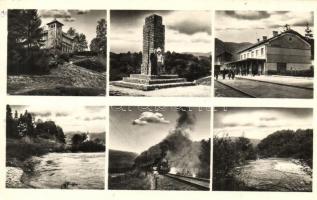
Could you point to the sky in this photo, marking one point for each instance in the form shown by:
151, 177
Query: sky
257, 123
134, 132
84, 21
247, 26
71, 118
185, 31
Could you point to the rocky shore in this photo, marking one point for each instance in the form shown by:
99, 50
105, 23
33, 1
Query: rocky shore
14, 176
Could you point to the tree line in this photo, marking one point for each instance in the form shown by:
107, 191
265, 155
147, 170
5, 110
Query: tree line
24, 125
185, 65
81, 142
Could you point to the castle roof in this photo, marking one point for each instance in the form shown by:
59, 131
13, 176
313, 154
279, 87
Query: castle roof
55, 21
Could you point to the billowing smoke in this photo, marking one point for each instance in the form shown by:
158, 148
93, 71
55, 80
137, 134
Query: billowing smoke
183, 155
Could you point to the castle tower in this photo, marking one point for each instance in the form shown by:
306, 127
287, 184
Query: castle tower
153, 37
54, 34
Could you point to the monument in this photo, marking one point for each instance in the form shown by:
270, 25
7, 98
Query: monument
152, 75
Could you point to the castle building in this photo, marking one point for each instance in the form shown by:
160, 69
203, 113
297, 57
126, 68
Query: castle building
55, 37
283, 52
153, 38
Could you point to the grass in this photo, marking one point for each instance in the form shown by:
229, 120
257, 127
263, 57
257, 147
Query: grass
96, 64
66, 91
130, 181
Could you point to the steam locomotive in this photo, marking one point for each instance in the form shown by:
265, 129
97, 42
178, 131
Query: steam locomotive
163, 167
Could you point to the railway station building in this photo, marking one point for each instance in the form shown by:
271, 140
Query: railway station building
287, 52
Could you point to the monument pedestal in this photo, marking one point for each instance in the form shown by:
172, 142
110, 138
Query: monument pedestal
152, 82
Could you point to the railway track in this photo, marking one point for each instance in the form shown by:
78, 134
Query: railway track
237, 90
260, 89
200, 183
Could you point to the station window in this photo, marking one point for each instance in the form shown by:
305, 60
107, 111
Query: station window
256, 53
262, 51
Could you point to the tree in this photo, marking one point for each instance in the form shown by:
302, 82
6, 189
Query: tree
77, 139
99, 43
71, 31
49, 130
82, 42
24, 42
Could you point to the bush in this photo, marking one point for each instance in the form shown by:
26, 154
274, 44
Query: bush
227, 154
94, 64
65, 57
36, 62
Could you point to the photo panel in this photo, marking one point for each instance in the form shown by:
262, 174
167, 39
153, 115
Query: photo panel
55, 147
160, 53
57, 52
159, 148
263, 149
264, 54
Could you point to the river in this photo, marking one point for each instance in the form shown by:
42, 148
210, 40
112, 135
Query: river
67, 170
275, 174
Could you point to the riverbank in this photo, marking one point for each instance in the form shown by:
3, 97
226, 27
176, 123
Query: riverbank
274, 174
30, 161
19, 157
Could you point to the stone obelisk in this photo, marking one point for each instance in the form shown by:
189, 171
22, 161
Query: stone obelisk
153, 38
150, 77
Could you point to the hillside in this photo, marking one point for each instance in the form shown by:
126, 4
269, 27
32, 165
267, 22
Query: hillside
66, 79
198, 54
121, 161
231, 47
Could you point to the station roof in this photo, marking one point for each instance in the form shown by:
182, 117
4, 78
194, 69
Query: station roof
273, 38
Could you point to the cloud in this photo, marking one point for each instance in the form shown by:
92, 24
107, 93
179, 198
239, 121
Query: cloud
275, 26
303, 23
41, 114
69, 19
201, 40
55, 13
280, 12
236, 124
82, 12
248, 15
87, 119
268, 118
190, 27
61, 114
150, 117
98, 118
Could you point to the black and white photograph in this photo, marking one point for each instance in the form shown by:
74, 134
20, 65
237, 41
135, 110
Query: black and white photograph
264, 54
57, 52
263, 149
160, 53
159, 148
55, 147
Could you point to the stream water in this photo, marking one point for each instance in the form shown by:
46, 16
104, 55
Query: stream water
68, 170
